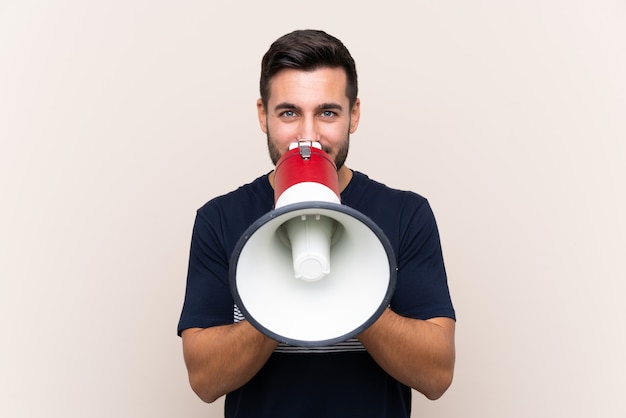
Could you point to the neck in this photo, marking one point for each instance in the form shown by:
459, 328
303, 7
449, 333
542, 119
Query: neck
345, 175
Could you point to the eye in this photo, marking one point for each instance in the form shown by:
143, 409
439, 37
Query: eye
288, 114
328, 114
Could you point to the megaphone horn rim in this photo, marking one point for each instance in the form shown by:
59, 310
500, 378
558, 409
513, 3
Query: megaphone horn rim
312, 205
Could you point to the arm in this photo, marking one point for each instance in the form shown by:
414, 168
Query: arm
222, 359
417, 353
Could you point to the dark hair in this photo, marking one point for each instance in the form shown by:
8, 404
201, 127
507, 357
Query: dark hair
308, 50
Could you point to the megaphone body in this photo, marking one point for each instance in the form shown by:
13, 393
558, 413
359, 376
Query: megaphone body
311, 272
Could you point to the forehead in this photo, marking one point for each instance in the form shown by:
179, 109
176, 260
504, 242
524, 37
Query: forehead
323, 83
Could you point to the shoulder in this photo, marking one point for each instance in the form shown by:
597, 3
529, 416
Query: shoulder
403, 215
227, 216
258, 191
366, 192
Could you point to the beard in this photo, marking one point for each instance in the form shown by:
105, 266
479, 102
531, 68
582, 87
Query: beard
339, 159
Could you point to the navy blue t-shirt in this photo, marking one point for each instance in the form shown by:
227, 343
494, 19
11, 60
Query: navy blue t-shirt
336, 381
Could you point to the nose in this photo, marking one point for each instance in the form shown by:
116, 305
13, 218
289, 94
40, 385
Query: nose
308, 129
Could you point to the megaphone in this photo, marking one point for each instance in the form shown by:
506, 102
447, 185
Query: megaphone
311, 272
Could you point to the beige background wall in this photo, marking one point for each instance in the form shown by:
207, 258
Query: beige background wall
119, 119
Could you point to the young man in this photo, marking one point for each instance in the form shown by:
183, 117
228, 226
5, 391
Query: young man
309, 91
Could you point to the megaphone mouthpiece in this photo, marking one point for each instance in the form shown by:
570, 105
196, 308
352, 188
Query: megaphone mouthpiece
314, 168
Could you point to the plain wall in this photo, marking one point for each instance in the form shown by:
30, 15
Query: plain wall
119, 119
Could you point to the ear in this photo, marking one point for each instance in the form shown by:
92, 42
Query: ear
355, 115
262, 113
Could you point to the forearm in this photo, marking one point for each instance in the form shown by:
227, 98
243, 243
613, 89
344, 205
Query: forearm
222, 359
418, 353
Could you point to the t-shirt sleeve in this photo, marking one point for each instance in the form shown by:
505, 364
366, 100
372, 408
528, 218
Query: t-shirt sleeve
208, 301
422, 287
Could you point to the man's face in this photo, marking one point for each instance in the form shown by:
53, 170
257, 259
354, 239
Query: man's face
309, 105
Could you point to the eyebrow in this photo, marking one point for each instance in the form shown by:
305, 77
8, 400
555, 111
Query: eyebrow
323, 106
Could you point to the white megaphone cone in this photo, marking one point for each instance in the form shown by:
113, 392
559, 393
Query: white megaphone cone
312, 271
